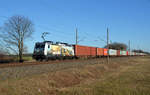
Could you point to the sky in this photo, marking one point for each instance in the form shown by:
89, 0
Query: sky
125, 19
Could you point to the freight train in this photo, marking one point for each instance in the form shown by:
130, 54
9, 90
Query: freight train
50, 50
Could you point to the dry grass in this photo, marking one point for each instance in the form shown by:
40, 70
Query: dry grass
121, 77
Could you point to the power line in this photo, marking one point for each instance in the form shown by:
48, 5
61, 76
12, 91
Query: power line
64, 34
60, 34
52, 29
77, 38
91, 35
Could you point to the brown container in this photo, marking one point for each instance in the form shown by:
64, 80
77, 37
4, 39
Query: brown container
82, 51
93, 51
118, 52
100, 51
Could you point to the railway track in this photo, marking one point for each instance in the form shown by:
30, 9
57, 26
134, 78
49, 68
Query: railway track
17, 64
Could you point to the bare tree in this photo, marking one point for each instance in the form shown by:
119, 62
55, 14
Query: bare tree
15, 32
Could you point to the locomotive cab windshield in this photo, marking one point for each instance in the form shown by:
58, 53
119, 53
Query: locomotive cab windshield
39, 50
39, 46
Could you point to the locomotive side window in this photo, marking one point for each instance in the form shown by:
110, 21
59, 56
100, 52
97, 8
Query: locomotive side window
48, 46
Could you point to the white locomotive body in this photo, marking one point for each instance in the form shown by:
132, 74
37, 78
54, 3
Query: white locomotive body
49, 50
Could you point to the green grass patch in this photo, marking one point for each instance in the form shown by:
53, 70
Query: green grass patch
27, 58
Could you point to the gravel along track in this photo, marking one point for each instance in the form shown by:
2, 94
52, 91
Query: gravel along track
28, 70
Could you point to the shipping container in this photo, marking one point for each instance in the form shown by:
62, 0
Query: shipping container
93, 51
133, 53
118, 52
112, 52
82, 51
100, 51
137, 53
105, 52
127, 53
123, 53
130, 53
141, 54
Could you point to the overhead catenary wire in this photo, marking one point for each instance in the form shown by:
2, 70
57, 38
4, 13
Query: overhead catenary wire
57, 33
53, 29
78, 39
59, 37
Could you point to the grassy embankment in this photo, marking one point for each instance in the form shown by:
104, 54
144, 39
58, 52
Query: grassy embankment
121, 77
14, 58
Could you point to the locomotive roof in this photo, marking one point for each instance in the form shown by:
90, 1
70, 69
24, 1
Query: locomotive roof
57, 43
